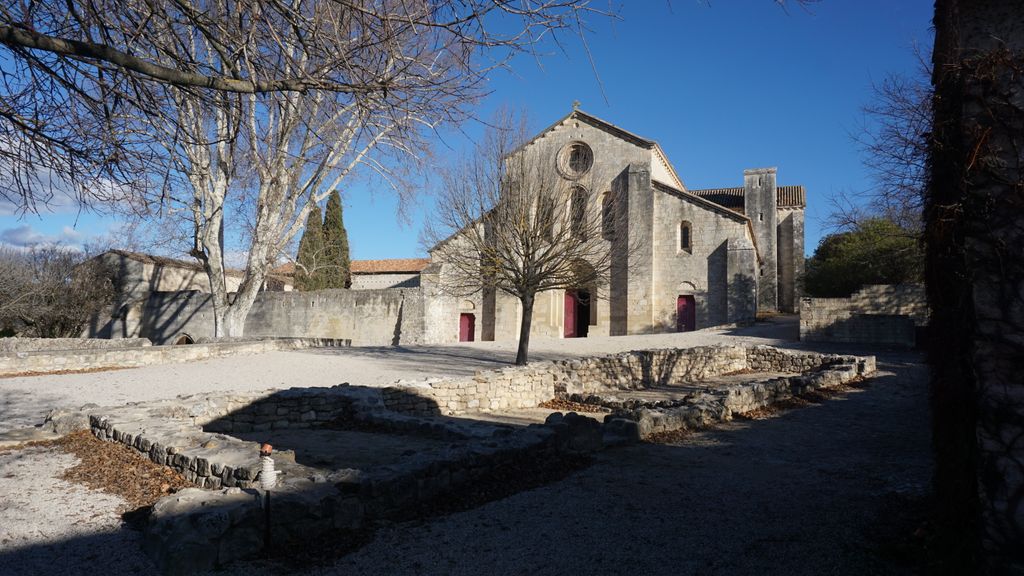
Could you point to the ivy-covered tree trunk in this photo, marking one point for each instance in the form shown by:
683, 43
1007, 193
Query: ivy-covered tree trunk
337, 270
974, 217
310, 259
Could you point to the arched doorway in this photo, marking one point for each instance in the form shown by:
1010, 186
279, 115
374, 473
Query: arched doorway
467, 327
686, 314
577, 313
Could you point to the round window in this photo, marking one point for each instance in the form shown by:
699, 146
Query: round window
575, 160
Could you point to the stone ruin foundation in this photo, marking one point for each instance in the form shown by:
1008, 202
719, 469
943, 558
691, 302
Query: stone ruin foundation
348, 456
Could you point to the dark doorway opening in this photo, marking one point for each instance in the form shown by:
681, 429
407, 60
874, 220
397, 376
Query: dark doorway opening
577, 313
686, 317
467, 327
184, 339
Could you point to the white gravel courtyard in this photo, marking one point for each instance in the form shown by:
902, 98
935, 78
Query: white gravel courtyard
807, 492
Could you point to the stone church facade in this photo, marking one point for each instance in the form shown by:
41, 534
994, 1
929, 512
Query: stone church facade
697, 258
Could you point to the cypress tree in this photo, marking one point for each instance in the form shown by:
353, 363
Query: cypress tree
337, 273
310, 259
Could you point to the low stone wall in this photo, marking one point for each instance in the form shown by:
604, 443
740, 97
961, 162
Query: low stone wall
136, 355
528, 386
706, 408
199, 529
15, 345
881, 314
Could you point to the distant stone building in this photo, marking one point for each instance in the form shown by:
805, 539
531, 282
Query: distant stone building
395, 273
705, 258
136, 277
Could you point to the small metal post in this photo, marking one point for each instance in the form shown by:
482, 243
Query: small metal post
267, 483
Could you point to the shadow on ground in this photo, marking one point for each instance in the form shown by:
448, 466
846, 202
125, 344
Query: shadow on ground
826, 489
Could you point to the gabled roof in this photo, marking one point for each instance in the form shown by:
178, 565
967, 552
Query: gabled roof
595, 122
614, 130
723, 210
732, 198
167, 262
732, 214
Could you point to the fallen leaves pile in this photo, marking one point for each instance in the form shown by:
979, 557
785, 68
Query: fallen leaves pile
569, 406
116, 469
670, 437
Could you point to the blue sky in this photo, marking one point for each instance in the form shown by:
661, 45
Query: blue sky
722, 86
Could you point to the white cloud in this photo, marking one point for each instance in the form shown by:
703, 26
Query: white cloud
26, 236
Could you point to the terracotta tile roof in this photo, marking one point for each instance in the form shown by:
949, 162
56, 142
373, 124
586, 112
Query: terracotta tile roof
785, 197
392, 266
286, 269
728, 197
792, 197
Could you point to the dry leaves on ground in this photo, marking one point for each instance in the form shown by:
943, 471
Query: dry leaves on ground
569, 406
116, 469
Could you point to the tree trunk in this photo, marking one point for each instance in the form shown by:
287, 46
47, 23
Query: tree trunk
522, 354
974, 218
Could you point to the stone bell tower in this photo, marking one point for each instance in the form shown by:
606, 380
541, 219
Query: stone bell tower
759, 204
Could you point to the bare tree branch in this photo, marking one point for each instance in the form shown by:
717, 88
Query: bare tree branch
507, 220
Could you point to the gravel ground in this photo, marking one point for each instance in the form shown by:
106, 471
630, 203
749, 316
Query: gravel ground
25, 401
817, 490
50, 526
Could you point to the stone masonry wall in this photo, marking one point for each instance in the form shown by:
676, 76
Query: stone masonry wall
701, 271
528, 386
366, 317
136, 354
15, 345
879, 314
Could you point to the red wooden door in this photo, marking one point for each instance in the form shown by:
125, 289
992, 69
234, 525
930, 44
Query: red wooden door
467, 327
686, 314
570, 315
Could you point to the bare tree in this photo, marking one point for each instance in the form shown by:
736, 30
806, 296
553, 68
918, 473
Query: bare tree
83, 71
507, 221
243, 110
51, 292
895, 145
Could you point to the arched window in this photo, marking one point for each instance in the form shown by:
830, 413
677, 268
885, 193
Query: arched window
578, 213
685, 233
544, 217
608, 216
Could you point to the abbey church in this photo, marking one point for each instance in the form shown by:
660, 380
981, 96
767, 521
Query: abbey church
698, 258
